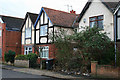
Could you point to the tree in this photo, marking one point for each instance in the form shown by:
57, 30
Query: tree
91, 44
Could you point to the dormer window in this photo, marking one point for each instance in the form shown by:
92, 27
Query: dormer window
28, 33
43, 30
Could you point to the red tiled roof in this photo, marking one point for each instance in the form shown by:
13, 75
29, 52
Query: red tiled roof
60, 18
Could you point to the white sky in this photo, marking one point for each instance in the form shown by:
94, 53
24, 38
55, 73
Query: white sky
18, 8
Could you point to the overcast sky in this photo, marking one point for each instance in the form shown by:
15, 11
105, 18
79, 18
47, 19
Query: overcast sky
18, 8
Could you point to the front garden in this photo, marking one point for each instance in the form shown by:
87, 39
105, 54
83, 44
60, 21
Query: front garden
75, 52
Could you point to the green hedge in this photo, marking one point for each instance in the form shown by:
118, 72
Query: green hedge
10, 56
21, 57
32, 59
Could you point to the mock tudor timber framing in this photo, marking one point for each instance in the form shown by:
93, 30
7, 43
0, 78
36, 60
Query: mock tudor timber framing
38, 29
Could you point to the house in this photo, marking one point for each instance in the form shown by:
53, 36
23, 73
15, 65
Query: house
103, 14
45, 24
27, 34
48, 22
10, 35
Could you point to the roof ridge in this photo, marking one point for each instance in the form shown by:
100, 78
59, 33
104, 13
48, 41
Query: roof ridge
32, 13
12, 17
59, 10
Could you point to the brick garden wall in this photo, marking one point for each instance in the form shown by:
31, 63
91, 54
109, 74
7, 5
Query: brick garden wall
104, 70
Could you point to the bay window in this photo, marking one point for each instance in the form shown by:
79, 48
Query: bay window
44, 52
118, 25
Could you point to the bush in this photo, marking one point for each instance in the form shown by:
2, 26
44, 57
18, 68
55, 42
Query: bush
10, 56
21, 57
32, 59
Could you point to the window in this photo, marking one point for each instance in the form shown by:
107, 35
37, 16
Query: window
44, 51
28, 49
0, 32
28, 33
43, 30
96, 21
118, 24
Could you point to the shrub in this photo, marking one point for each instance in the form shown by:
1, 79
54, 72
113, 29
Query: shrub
21, 57
6, 56
32, 59
10, 56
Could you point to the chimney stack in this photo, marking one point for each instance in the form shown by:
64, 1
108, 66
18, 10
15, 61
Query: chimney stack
73, 12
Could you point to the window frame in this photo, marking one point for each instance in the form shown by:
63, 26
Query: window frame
45, 30
118, 17
96, 21
28, 32
28, 50
44, 49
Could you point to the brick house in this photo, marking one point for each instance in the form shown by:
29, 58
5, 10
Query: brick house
10, 35
103, 14
47, 22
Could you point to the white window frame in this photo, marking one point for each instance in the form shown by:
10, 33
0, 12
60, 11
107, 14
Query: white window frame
0, 33
96, 20
118, 28
28, 32
43, 30
27, 49
118, 25
44, 52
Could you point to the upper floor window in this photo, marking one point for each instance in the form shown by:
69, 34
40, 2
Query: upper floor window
43, 30
118, 25
28, 33
0, 33
96, 21
118, 13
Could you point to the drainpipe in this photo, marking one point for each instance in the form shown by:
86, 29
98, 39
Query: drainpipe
115, 37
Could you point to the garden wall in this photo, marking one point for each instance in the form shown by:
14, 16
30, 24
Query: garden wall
104, 70
22, 63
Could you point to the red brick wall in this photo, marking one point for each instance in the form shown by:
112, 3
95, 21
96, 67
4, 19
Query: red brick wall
104, 70
1, 35
11, 41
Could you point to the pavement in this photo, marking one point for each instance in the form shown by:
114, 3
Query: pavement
46, 73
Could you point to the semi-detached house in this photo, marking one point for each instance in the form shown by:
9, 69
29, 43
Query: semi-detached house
47, 23
104, 14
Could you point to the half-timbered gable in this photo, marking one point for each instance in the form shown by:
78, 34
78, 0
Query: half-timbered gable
48, 22
28, 32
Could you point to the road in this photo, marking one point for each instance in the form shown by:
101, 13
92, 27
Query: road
13, 75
